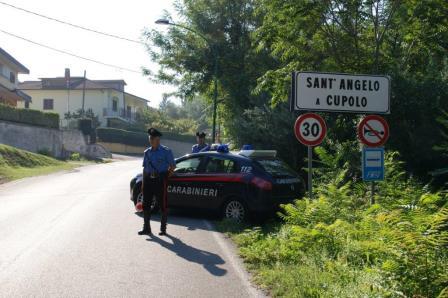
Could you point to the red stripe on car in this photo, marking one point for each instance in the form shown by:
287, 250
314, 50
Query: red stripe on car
223, 178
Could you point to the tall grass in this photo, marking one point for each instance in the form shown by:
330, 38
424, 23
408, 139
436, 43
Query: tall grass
339, 245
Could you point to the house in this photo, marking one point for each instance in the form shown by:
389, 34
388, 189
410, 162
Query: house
106, 98
9, 70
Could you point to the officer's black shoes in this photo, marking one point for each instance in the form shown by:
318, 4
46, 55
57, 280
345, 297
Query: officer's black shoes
162, 233
145, 232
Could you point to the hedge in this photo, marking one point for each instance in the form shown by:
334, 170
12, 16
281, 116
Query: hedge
114, 135
121, 124
27, 116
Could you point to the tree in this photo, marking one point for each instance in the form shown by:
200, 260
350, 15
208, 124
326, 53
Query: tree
187, 61
403, 39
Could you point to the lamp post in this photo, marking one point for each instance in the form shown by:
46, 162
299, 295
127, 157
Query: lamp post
215, 67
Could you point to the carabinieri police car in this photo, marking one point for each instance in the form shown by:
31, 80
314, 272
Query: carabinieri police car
237, 184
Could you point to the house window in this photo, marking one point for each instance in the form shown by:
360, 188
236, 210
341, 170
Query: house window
27, 104
128, 111
48, 104
114, 105
12, 77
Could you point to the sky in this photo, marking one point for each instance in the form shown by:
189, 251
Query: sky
123, 18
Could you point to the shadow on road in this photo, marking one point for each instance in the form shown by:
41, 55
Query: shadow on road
191, 219
208, 260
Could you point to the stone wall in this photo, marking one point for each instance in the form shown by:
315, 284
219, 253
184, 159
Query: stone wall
59, 143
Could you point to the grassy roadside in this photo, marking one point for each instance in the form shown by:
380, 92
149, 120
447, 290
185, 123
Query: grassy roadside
340, 245
16, 164
280, 271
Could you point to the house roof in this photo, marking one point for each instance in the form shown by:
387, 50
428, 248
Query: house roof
20, 66
15, 94
76, 83
136, 97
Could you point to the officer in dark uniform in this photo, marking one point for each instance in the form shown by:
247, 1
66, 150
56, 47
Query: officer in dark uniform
158, 165
201, 146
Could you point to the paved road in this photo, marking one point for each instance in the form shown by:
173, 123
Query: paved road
75, 235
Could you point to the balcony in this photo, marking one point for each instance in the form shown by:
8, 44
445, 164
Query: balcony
122, 114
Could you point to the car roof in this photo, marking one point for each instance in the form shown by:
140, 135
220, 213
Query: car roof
229, 155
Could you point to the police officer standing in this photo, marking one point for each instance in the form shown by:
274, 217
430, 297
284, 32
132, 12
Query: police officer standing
201, 146
158, 165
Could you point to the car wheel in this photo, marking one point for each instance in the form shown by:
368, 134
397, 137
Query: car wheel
137, 194
235, 210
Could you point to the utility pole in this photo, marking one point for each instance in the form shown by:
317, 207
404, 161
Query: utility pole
215, 93
83, 94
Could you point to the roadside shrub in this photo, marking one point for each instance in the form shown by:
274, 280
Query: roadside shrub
27, 116
339, 245
75, 156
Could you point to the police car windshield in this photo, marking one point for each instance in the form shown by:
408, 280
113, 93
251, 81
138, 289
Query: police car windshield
275, 167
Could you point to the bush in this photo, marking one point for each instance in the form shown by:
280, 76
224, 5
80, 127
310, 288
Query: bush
75, 157
26, 116
113, 135
339, 245
121, 124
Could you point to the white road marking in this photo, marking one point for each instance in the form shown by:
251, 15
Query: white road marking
234, 262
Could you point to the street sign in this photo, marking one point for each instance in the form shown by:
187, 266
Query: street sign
334, 92
373, 131
373, 164
310, 129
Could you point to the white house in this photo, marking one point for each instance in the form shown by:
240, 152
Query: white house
106, 98
9, 70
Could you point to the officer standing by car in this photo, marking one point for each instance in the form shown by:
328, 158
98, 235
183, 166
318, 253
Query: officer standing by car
158, 165
201, 145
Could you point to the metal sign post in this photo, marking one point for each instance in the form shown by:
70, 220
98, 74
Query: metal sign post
310, 171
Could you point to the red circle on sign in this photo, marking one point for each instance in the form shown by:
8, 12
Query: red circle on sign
300, 135
380, 133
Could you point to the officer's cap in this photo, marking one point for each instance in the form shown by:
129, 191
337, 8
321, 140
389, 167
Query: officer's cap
201, 134
152, 132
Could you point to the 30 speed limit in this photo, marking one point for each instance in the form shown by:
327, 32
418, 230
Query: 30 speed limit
310, 129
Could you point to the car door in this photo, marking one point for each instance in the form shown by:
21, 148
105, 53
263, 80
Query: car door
219, 178
181, 183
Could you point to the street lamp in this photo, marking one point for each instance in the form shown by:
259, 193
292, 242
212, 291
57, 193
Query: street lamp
215, 66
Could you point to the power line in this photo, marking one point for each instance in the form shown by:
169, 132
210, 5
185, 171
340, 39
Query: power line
70, 54
71, 24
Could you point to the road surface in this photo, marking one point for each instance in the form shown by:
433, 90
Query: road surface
74, 234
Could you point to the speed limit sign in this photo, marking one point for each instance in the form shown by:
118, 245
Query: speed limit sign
310, 129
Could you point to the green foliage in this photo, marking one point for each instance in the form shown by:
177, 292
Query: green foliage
188, 62
133, 138
403, 39
260, 42
16, 163
27, 116
13, 157
339, 245
75, 157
